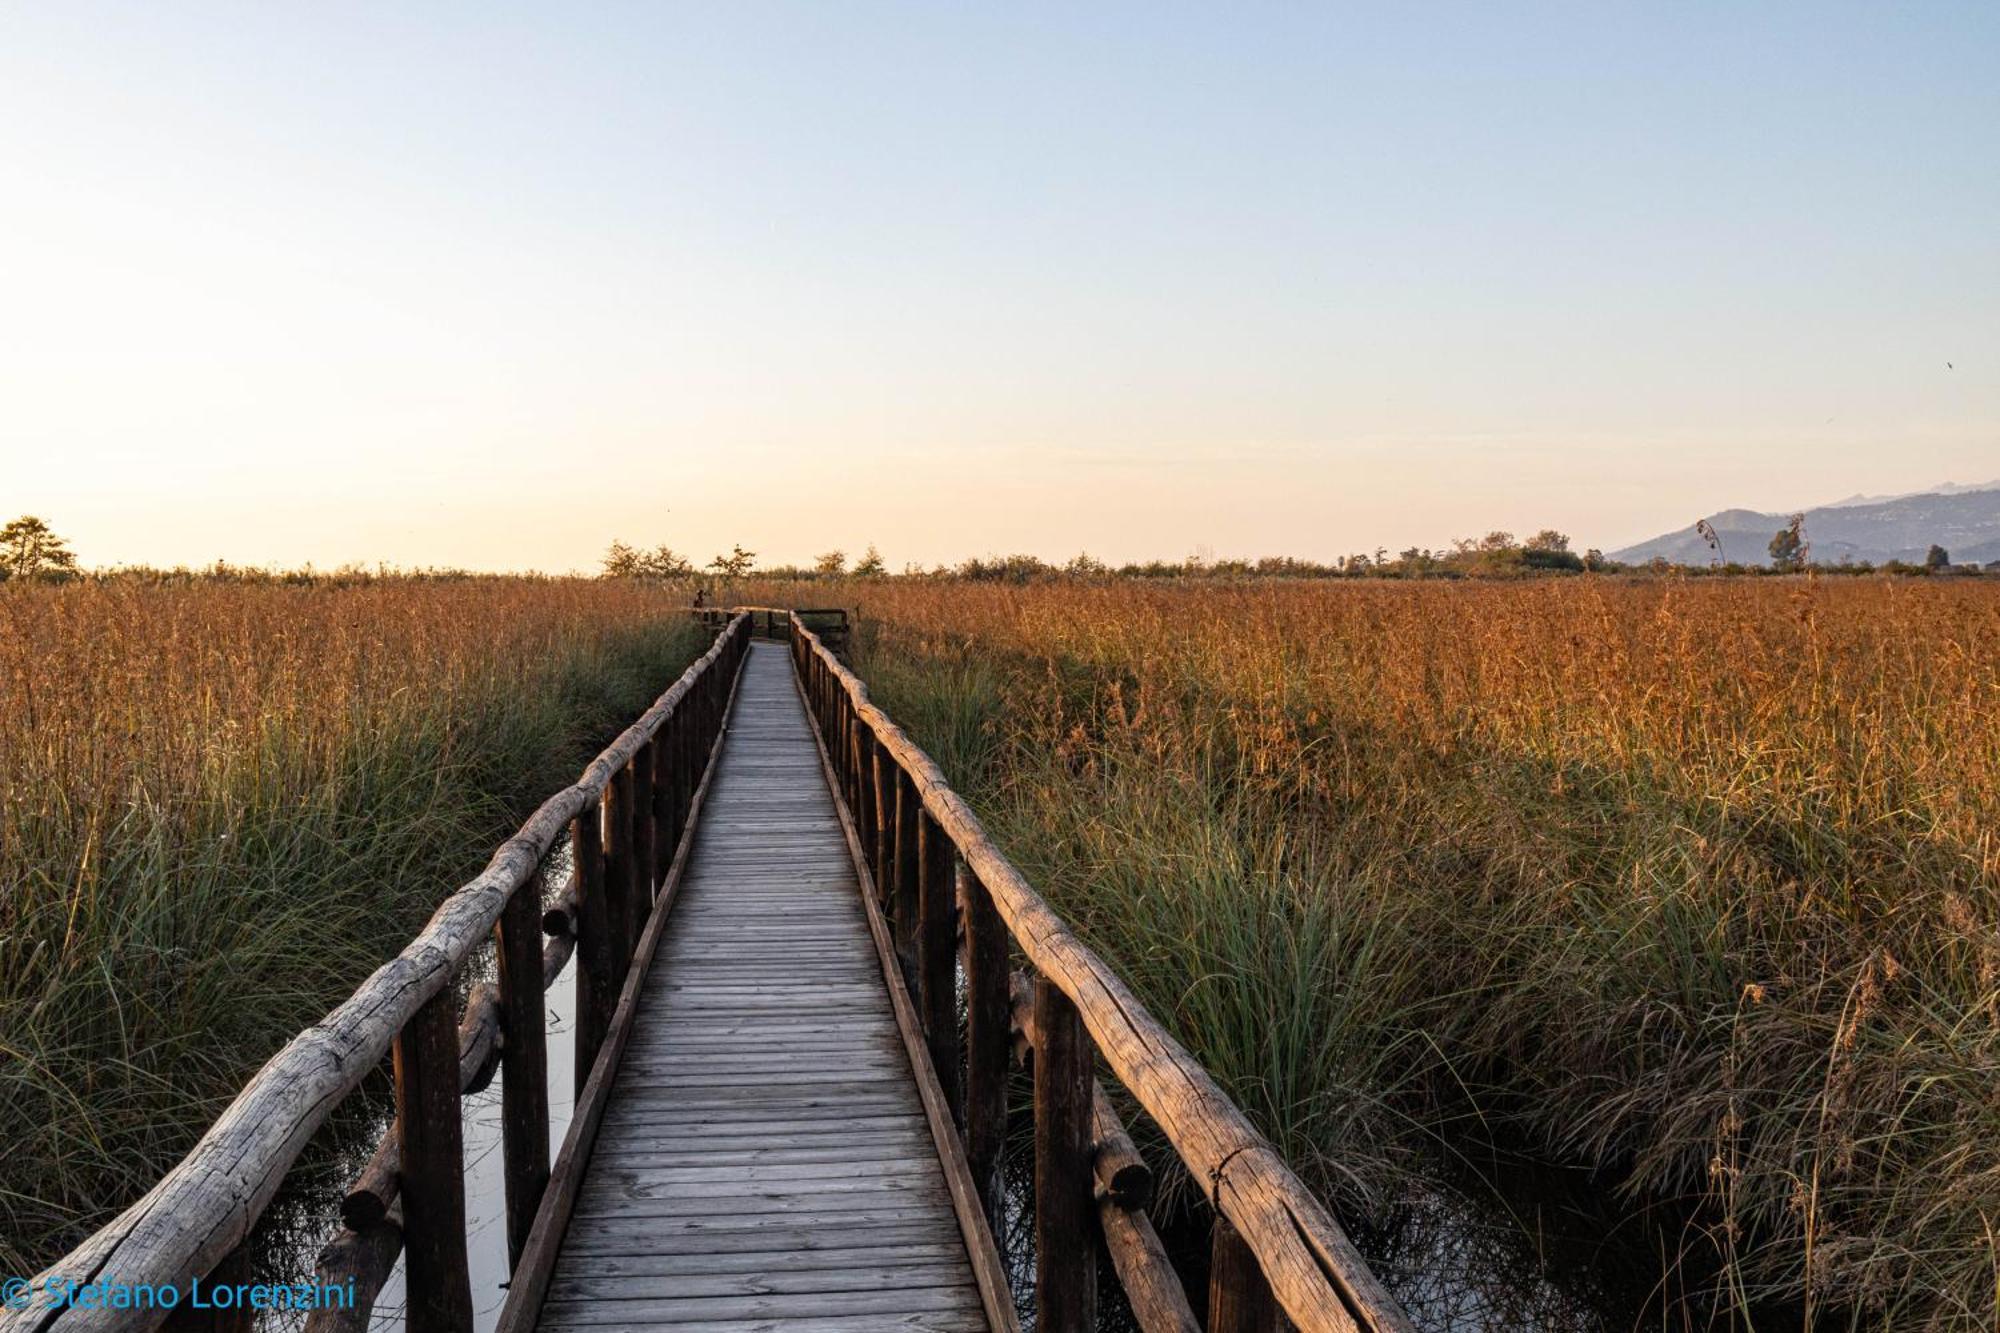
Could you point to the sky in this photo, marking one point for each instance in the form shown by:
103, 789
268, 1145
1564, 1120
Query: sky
489, 285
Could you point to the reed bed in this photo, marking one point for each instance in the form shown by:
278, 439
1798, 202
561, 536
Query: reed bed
1696, 883
223, 803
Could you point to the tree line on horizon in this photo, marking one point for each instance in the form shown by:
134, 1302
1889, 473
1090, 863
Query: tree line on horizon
1498, 554
31, 550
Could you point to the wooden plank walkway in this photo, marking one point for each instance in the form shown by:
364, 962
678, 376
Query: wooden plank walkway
765, 1161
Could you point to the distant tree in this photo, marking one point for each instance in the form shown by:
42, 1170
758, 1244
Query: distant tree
736, 564
28, 549
620, 561
1496, 541
870, 565
664, 562
1937, 557
1548, 539
833, 564
1594, 561
1541, 557
1788, 546
1085, 565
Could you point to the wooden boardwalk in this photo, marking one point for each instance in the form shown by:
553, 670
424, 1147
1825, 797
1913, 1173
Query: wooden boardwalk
765, 1161
771, 1130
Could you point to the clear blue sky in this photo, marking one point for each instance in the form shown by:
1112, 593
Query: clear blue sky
488, 285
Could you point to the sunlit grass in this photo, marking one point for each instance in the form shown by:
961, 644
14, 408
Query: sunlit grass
1692, 882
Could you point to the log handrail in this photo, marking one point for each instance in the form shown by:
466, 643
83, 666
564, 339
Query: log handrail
1311, 1267
197, 1214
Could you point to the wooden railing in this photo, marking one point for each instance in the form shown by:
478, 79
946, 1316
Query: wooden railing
1273, 1244
624, 818
831, 623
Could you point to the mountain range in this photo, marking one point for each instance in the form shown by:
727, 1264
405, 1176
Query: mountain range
1965, 520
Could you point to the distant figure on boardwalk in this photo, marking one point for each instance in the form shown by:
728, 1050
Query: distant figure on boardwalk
700, 598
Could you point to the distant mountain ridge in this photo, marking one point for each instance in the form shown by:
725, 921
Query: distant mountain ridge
1965, 520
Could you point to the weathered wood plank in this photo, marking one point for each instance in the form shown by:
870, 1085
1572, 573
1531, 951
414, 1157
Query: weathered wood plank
666, 1310
879, 1259
778, 1236
939, 1274
921, 1321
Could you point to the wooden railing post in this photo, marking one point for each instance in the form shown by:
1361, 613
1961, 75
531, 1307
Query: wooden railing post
1065, 1214
836, 724
902, 910
1239, 1299
186, 1318
882, 775
851, 766
685, 776
433, 1170
621, 882
937, 957
864, 788
988, 1041
662, 785
596, 968
524, 1062
645, 839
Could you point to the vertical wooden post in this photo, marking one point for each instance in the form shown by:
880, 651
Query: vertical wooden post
524, 1061
662, 750
852, 724
864, 790
831, 688
1065, 1212
1239, 1296
684, 768
645, 838
438, 1285
882, 774
621, 882
937, 957
596, 982
988, 1045
902, 908
233, 1270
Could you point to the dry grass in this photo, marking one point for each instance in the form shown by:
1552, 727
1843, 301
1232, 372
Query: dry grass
1695, 881
225, 802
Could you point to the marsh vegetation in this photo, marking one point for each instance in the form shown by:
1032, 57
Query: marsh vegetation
1689, 883
224, 802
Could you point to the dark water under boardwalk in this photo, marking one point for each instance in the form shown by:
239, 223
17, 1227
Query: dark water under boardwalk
1514, 1244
